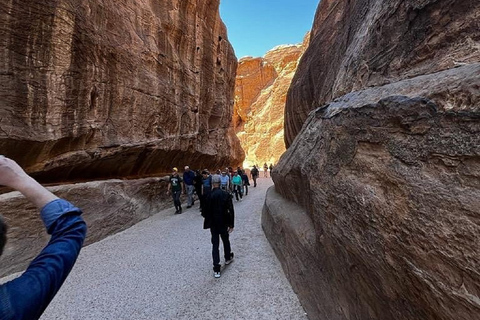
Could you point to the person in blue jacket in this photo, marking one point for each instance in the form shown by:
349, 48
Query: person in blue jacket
27, 296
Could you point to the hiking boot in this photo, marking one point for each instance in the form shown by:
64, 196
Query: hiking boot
216, 274
229, 260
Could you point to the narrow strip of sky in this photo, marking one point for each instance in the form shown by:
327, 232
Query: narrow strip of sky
256, 26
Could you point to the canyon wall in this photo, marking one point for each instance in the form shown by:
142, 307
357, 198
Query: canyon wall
261, 87
360, 44
99, 89
375, 209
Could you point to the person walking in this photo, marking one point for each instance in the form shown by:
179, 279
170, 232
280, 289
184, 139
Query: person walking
206, 186
219, 218
237, 185
188, 177
198, 182
245, 182
254, 174
270, 168
265, 170
225, 183
175, 188
27, 296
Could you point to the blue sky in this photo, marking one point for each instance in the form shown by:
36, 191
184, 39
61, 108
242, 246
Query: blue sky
256, 26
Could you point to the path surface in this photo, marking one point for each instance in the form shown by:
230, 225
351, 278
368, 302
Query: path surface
161, 268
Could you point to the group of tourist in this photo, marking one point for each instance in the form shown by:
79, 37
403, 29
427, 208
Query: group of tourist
215, 193
27, 296
197, 184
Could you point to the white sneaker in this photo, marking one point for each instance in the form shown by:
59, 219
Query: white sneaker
216, 274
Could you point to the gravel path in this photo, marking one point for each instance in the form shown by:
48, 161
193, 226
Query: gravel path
161, 268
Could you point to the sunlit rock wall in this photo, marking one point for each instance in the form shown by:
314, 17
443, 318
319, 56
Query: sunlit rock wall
94, 89
375, 210
260, 92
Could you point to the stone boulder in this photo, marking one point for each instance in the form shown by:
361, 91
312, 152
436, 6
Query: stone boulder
360, 44
96, 89
374, 213
260, 92
375, 208
108, 207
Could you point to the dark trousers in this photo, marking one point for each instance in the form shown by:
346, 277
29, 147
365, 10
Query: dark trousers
246, 188
238, 191
254, 181
176, 199
216, 234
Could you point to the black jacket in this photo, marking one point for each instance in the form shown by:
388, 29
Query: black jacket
218, 210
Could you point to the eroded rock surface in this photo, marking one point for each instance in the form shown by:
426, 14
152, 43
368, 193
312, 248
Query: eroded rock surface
360, 44
375, 208
260, 92
108, 207
96, 89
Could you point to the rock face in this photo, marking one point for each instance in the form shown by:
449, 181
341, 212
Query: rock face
375, 208
260, 92
95, 89
360, 44
108, 207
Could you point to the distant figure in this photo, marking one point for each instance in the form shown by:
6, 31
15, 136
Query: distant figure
206, 186
188, 178
198, 182
265, 170
225, 183
27, 296
219, 218
175, 188
237, 185
271, 168
255, 173
245, 182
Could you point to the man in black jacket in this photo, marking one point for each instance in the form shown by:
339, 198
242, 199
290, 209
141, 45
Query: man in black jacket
219, 218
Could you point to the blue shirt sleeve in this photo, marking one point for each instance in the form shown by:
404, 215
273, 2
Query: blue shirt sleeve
28, 296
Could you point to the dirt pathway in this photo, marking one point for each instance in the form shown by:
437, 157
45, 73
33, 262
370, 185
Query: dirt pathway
161, 268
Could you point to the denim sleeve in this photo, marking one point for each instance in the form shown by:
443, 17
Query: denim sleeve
28, 296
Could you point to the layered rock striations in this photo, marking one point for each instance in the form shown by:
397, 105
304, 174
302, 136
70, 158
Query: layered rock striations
95, 89
375, 208
260, 92
360, 44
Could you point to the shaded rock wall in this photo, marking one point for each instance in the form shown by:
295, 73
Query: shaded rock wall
95, 89
260, 92
359, 44
375, 208
108, 207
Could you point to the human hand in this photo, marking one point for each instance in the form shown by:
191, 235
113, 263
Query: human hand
230, 229
11, 174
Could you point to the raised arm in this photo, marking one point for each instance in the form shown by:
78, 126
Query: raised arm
13, 176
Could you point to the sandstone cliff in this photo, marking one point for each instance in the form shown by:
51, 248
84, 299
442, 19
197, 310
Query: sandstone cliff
375, 208
95, 89
260, 93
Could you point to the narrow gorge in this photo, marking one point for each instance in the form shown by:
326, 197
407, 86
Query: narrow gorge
372, 124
